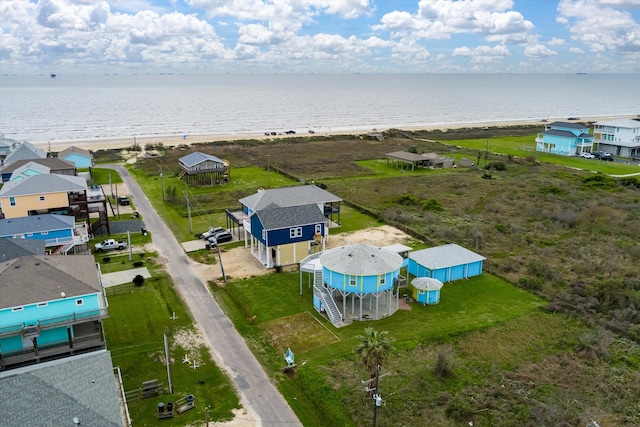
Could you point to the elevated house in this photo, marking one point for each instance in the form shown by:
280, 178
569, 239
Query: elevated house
203, 169
80, 157
29, 169
283, 225
60, 233
445, 263
54, 165
79, 390
565, 139
6, 145
620, 137
24, 151
50, 307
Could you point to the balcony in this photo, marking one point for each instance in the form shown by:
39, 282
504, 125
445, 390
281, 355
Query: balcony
54, 322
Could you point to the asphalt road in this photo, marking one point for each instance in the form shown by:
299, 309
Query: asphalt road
258, 396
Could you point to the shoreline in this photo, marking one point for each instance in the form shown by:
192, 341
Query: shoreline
179, 139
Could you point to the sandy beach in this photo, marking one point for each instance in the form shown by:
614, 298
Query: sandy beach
178, 139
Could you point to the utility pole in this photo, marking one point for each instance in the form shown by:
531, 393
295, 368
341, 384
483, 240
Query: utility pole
186, 193
135, 147
268, 171
162, 179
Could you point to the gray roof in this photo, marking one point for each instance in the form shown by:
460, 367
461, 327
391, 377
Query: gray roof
196, 157
25, 150
75, 150
41, 169
43, 184
35, 223
620, 123
361, 260
426, 284
41, 278
406, 156
53, 393
51, 162
274, 217
288, 196
567, 125
565, 134
15, 248
444, 256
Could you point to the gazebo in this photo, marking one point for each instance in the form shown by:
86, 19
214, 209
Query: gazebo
426, 290
360, 280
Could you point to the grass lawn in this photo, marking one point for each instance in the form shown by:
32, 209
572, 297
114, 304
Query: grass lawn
138, 319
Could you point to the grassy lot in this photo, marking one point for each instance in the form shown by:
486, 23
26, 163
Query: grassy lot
138, 319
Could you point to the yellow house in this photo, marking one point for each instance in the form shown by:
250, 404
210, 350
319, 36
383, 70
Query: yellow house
39, 194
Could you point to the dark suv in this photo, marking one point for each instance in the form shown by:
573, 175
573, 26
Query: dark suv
606, 157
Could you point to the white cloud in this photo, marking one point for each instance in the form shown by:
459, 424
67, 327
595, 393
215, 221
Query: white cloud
576, 50
539, 51
556, 41
483, 54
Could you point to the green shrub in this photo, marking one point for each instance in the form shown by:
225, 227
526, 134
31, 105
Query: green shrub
432, 205
138, 264
405, 200
138, 280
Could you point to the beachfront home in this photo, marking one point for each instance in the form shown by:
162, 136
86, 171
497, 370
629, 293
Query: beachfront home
80, 390
50, 306
565, 139
59, 232
23, 151
41, 194
445, 263
620, 137
6, 145
54, 165
80, 157
283, 225
203, 169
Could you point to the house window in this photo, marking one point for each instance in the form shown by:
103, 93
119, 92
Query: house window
295, 232
80, 301
29, 234
42, 304
353, 280
17, 309
318, 228
12, 201
44, 233
42, 198
383, 279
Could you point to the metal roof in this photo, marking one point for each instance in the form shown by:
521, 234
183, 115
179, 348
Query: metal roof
54, 393
620, 123
288, 196
361, 260
565, 134
405, 156
567, 125
196, 157
274, 217
426, 284
35, 223
43, 184
397, 248
444, 256
41, 278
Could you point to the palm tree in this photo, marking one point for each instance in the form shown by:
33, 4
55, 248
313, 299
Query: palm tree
372, 349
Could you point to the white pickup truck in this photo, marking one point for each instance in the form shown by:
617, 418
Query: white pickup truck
109, 245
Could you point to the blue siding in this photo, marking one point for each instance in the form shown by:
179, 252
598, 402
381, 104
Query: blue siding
455, 272
283, 236
52, 336
256, 229
11, 344
364, 284
51, 234
474, 269
31, 314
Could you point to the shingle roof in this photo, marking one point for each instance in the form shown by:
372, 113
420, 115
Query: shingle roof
444, 256
565, 134
274, 217
15, 248
41, 169
426, 284
620, 123
53, 393
74, 150
361, 260
35, 223
41, 278
406, 156
196, 157
43, 184
51, 162
25, 150
289, 196
567, 125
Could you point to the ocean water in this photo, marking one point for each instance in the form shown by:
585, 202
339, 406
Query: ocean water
81, 107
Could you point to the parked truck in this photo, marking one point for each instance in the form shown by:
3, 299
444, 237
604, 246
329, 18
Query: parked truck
109, 245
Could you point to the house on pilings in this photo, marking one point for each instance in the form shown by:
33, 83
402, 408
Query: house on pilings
203, 169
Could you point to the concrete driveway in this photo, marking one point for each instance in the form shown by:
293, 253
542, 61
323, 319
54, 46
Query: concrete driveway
126, 276
262, 401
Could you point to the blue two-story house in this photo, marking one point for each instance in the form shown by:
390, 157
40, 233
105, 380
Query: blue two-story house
565, 139
284, 225
57, 231
50, 306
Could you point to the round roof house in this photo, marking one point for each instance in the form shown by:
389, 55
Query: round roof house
361, 260
426, 290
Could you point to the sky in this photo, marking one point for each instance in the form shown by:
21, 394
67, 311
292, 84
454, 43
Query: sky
319, 36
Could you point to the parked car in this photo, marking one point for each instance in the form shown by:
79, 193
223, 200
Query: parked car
311, 131
606, 157
109, 245
273, 133
220, 237
587, 155
123, 201
290, 132
210, 232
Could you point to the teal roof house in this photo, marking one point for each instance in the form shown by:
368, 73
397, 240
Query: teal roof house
78, 156
50, 307
445, 263
565, 139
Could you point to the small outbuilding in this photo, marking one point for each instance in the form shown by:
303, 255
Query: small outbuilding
445, 263
426, 290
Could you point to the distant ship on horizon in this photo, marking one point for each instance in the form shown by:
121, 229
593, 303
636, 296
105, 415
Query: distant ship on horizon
53, 75
581, 73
